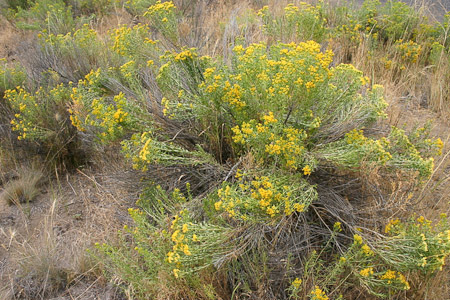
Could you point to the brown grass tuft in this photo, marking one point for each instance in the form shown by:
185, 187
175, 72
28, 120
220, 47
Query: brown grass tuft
24, 189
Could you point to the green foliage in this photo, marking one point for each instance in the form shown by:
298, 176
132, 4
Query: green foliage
53, 17
381, 265
138, 7
88, 7
18, 4
42, 115
10, 76
74, 55
289, 126
108, 117
304, 22
180, 248
162, 17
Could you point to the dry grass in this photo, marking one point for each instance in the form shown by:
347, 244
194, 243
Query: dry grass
24, 189
45, 254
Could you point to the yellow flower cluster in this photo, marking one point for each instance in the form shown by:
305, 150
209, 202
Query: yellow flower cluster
263, 197
159, 7
277, 77
275, 141
390, 225
392, 277
366, 272
296, 283
36, 114
409, 51
89, 110
318, 294
182, 236
370, 148
357, 239
186, 54
130, 41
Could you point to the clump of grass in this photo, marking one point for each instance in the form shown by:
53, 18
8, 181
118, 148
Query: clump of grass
23, 189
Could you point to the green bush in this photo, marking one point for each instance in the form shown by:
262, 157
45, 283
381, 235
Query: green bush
53, 17
42, 118
285, 115
10, 76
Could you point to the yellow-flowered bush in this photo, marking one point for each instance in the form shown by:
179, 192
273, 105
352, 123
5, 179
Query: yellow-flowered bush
256, 198
134, 42
91, 111
145, 149
53, 17
286, 115
409, 51
395, 151
164, 242
162, 15
304, 22
41, 115
11, 76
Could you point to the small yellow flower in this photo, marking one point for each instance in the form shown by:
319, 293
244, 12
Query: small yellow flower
357, 239
366, 272
307, 170
367, 251
337, 227
176, 273
296, 283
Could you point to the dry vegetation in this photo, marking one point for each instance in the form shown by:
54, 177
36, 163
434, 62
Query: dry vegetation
134, 175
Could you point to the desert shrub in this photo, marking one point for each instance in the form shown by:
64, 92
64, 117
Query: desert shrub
138, 7
304, 22
73, 55
410, 251
280, 138
49, 16
10, 76
179, 251
283, 116
292, 77
162, 16
41, 117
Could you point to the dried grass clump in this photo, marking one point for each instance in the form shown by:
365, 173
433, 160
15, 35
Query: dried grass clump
24, 189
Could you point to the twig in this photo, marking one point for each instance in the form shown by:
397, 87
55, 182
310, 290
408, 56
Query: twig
233, 169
